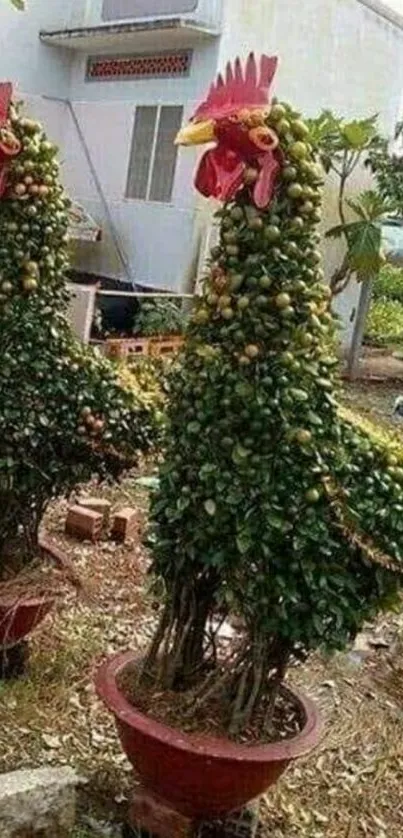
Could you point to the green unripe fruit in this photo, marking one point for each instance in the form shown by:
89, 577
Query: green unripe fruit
299, 129
251, 351
299, 151
272, 233
256, 223
283, 127
282, 300
236, 213
289, 173
243, 303
303, 436
277, 112
295, 191
312, 496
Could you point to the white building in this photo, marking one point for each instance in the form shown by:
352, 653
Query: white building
113, 80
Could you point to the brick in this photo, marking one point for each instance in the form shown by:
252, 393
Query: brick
149, 813
125, 524
98, 505
84, 524
37, 803
243, 824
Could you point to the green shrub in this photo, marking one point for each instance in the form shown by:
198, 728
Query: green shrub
389, 284
160, 316
385, 322
64, 416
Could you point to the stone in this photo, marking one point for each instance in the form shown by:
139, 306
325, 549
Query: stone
84, 524
38, 803
125, 524
98, 505
148, 814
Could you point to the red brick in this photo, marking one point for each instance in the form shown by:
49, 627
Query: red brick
97, 505
84, 524
125, 524
150, 813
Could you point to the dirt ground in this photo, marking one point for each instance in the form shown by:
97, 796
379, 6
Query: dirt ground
375, 400
350, 787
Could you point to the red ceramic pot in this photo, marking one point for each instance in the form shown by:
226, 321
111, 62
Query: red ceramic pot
19, 616
199, 776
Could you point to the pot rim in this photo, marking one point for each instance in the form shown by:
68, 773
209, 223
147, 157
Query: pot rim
214, 747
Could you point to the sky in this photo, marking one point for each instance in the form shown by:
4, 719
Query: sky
396, 5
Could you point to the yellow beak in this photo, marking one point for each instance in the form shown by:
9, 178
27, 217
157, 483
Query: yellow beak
196, 133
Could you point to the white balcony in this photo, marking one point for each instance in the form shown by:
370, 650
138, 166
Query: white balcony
121, 25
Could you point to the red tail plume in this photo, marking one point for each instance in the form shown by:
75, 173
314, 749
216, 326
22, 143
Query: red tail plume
239, 90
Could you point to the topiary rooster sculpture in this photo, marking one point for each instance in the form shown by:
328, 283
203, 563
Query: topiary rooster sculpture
271, 503
63, 415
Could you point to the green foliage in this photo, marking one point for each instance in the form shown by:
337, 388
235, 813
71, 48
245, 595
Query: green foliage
64, 417
342, 146
385, 322
364, 237
18, 4
160, 316
387, 169
389, 284
268, 501
339, 142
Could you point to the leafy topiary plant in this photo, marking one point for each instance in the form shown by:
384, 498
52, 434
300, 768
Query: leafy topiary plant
160, 316
63, 415
270, 504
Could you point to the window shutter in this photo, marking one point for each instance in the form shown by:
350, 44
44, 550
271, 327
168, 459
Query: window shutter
165, 154
141, 152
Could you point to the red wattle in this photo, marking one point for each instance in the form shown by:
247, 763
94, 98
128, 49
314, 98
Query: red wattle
220, 174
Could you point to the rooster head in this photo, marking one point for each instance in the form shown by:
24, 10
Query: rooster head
10, 146
234, 117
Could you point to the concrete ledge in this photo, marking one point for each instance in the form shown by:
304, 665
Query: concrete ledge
38, 803
383, 10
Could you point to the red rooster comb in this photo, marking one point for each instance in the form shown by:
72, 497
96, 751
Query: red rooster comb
239, 90
6, 92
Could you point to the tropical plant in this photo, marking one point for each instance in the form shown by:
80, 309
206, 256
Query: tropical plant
364, 257
270, 504
160, 316
342, 147
387, 169
63, 414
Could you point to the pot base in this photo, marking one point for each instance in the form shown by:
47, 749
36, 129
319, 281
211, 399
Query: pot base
151, 817
13, 661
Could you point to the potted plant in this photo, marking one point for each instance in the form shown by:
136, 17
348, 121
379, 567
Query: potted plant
63, 415
267, 497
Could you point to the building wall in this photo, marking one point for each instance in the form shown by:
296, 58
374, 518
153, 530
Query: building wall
339, 54
156, 238
32, 66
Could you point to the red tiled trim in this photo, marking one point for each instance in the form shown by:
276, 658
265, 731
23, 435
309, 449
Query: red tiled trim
106, 68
